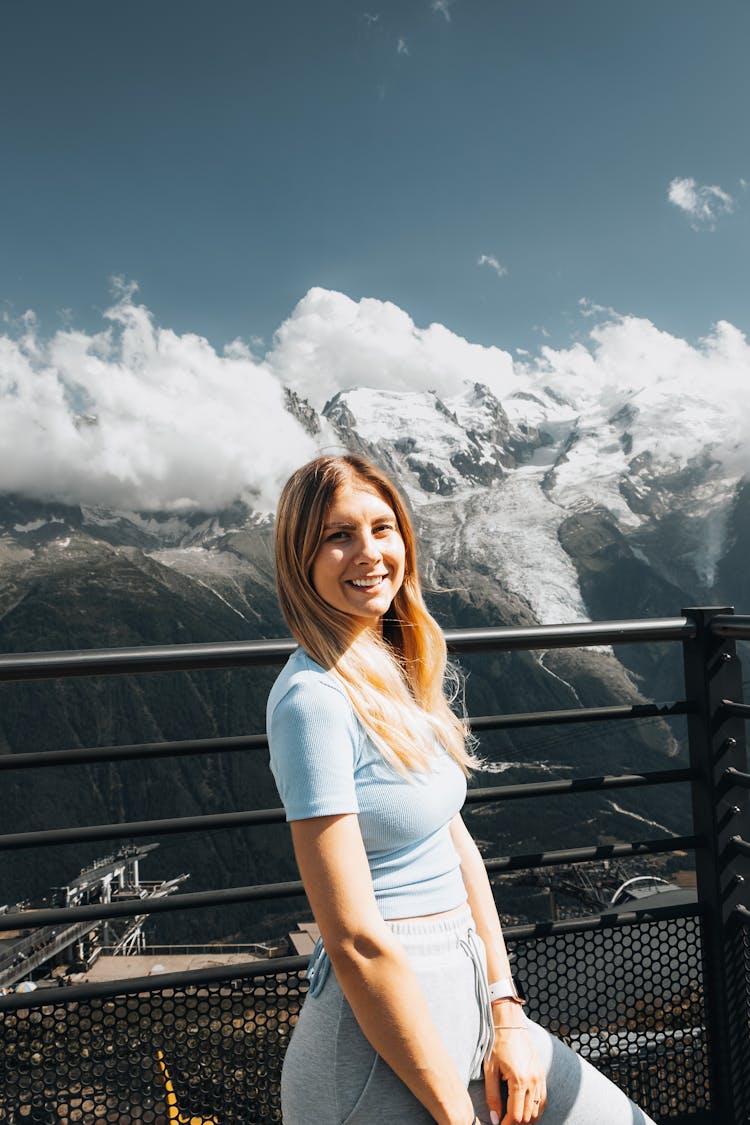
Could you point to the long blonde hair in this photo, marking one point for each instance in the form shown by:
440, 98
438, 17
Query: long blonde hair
396, 683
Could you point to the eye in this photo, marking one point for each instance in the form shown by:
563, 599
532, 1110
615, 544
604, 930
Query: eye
336, 535
385, 526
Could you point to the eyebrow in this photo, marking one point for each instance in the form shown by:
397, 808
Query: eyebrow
351, 526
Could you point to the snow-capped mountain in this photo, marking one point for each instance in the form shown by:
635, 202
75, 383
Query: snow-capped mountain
554, 502
507, 484
532, 505
540, 507
501, 488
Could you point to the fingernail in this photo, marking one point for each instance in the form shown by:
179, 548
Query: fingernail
494, 1117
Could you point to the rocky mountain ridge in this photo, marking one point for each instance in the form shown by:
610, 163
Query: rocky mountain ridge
528, 509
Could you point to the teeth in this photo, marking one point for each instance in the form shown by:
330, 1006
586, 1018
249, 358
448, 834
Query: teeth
365, 583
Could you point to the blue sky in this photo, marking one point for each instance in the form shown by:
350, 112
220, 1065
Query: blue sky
484, 164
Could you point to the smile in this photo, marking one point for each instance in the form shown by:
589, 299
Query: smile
367, 583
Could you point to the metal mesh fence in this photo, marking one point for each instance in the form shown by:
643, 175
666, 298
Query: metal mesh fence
738, 949
629, 998
209, 1055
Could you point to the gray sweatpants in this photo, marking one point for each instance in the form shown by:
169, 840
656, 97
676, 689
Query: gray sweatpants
332, 1076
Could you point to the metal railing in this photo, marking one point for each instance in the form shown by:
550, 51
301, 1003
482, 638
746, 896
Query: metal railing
682, 1051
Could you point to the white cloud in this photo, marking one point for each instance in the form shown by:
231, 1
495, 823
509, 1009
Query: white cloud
680, 390
172, 423
589, 308
683, 401
704, 203
443, 7
402, 47
177, 425
332, 343
491, 261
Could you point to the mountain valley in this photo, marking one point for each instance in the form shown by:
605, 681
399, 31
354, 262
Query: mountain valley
524, 515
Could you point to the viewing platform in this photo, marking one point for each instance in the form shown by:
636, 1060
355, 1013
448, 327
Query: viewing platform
655, 990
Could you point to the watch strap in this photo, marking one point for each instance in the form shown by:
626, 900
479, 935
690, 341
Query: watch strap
504, 989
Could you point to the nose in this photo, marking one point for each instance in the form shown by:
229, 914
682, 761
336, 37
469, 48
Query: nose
368, 548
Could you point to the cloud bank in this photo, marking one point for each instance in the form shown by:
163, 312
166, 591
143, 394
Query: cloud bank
703, 204
332, 343
138, 417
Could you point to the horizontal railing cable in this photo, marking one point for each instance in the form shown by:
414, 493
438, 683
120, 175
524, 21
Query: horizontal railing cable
582, 715
731, 625
130, 829
741, 710
534, 860
251, 654
211, 822
128, 908
153, 750
133, 907
508, 638
578, 785
145, 658
234, 744
238, 743
273, 966
608, 919
67, 994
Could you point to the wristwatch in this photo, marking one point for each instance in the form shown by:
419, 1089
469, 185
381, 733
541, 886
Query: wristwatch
504, 989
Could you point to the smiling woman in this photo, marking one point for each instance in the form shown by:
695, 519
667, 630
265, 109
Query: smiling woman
340, 525
412, 1014
359, 566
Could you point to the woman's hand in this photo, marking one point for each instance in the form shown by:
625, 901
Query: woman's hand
514, 1060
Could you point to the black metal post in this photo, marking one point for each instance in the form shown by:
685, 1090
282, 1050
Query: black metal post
721, 812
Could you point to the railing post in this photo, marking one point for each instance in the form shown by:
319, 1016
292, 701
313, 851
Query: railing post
720, 814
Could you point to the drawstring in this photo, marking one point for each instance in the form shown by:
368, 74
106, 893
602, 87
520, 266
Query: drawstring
318, 969
486, 1038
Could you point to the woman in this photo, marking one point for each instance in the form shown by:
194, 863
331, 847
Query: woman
411, 997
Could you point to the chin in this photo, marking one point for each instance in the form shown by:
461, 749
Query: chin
370, 619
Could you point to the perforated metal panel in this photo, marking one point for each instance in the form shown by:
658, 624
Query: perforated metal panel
213, 1053
740, 1061
630, 999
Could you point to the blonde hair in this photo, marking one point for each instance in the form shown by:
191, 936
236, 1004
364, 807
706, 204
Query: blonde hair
396, 684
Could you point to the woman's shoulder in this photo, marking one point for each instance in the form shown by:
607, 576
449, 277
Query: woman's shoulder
304, 682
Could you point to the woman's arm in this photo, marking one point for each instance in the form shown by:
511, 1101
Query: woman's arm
513, 1058
371, 966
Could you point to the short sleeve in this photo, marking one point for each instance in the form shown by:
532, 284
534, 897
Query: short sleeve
313, 737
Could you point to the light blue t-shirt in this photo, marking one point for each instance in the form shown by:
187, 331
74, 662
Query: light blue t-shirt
325, 764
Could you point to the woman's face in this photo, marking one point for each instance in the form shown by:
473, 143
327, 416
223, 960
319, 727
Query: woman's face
359, 565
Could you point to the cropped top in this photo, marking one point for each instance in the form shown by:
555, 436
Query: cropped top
325, 764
